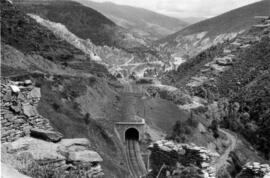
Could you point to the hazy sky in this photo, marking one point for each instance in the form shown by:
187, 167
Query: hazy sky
186, 8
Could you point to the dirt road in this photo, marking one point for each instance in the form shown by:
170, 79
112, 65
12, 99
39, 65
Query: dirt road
222, 160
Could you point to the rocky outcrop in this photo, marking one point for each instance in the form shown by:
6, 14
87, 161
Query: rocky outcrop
85, 156
173, 154
117, 60
60, 30
18, 110
68, 154
9, 172
46, 135
25, 132
169, 93
255, 169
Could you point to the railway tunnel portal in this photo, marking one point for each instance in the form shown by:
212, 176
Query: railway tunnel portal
130, 133
130, 130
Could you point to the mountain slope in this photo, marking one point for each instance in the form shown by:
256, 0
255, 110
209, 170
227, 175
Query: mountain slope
118, 49
141, 21
236, 75
30, 51
40, 49
202, 35
234, 78
79, 96
83, 21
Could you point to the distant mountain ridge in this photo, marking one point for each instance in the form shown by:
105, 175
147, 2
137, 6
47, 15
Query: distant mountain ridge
141, 21
204, 34
90, 31
83, 21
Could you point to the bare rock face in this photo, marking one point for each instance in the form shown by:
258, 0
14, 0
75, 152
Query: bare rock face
75, 141
47, 135
25, 133
255, 169
29, 110
41, 151
181, 156
85, 156
18, 110
67, 146
35, 93
10, 172
64, 155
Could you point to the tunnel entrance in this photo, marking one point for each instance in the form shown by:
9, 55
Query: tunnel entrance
132, 134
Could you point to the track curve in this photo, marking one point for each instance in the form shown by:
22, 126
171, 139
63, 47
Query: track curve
134, 158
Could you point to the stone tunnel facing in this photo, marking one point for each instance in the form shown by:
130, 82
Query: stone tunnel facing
132, 134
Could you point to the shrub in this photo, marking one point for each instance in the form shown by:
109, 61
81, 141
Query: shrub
55, 106
87, 118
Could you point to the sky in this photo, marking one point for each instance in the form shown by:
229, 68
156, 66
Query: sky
186, 8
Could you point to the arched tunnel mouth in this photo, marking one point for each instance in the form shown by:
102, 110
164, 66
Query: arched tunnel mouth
132, 134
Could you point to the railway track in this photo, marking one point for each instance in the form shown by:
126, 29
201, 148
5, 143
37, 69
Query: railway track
134, 158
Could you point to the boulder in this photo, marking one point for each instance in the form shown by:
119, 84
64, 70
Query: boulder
16, 108
7, 96
9, 172
224, 61
35, 93
245, 46
75, 141
29, 110
15, 89
73, 145
205, 165
39, 149
85, 156
27, 82
227, 51
9, 116
236, 44
201, 128
47, 135
95, 172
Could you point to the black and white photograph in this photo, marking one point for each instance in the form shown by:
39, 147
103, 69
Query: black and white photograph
135, 88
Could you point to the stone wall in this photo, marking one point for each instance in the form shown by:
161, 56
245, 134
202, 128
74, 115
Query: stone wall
25, 132
18, 110
255, 169
175, 158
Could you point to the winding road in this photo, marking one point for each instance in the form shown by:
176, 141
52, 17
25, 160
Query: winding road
222, 160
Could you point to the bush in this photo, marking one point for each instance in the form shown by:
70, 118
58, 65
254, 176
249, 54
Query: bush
181, 129
87, 118
56, 106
